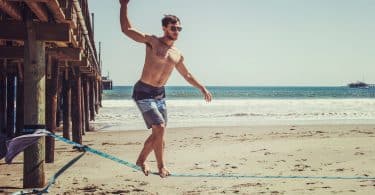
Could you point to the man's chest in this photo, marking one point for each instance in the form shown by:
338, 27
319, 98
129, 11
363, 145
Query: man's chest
164, 55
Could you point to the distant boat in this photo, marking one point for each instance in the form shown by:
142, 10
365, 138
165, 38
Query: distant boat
359, 84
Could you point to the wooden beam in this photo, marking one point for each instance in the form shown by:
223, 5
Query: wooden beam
58, 13
101, 92
51, 106
63, 53
76, 107
11, 52
19, 101
54, 7
96, 84
83, 115
53, 32
10, 9
10, 105
85, 69
59, 97
38, 10
3, 97
91, 100
86, 99
70, 15
66, 93
34, 107
66, 53
11, 30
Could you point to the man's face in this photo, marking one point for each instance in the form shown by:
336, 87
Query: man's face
172, 31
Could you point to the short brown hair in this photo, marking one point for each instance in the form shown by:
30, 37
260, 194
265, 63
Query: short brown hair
169, 19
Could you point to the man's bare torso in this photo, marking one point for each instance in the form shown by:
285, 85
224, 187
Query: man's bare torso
159, 62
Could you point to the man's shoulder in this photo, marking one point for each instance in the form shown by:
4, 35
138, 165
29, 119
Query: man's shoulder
179, 53
177, 50
151, 37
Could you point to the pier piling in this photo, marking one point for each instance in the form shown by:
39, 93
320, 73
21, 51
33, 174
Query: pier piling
34, 107
76, 106
51, 105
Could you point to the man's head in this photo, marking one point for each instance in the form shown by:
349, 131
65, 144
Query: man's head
171, 26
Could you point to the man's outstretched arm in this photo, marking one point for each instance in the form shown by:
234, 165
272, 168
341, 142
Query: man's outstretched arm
190, 79
126, 26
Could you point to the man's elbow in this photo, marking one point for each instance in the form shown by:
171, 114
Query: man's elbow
188, 76
125, 30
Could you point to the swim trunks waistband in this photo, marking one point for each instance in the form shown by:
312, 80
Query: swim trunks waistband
145, 91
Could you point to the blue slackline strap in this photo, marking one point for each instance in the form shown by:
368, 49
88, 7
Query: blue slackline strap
133, 166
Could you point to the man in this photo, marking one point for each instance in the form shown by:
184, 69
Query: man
149, 94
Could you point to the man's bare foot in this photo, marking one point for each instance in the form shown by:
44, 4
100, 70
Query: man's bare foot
144, 167
163, 172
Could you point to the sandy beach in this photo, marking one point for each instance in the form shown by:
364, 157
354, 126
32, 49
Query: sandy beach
301, 150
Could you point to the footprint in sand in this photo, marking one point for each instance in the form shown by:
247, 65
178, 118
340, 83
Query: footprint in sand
119, 192
300, 167
214, 163
196, 167
248, 185
340, 170
258, 150
89, 188
359, 153
267, 153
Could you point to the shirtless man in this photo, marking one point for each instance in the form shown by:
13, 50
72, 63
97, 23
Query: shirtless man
149, 94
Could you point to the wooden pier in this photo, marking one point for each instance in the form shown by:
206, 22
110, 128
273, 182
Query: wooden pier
107, 83
49, 68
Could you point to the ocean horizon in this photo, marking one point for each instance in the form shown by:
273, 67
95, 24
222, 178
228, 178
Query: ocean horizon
243, 106
245, 92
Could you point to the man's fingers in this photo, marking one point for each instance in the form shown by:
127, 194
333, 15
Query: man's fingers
208, 97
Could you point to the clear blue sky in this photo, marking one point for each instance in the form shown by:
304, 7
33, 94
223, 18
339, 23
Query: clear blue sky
248, 42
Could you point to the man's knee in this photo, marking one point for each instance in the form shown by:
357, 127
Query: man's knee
158, 130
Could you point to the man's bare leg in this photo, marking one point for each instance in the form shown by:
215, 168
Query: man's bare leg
158, 132
147, 149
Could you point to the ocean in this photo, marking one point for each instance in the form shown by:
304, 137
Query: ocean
244, 106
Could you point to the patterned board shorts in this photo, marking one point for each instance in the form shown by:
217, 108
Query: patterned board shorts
151, 102
154, 111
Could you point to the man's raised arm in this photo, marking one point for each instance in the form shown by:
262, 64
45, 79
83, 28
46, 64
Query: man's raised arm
126, 26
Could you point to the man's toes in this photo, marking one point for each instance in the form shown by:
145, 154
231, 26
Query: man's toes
164, 174
146, 172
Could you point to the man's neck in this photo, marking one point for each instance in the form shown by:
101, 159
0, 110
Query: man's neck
167, 41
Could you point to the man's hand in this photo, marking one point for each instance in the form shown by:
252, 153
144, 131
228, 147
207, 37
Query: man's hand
207, 95
124, 2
